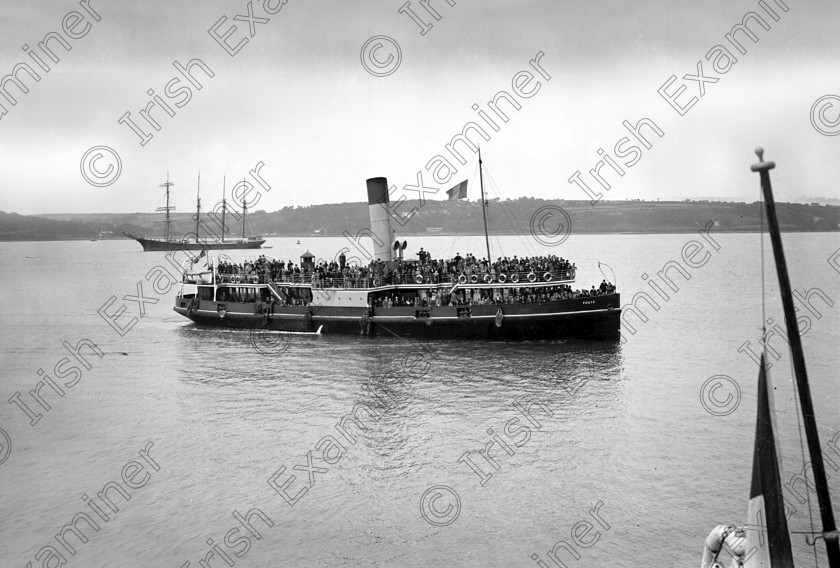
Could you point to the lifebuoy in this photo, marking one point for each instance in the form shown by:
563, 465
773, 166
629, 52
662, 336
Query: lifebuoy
514, 278
462, 279
255, 279
418, 279
488, 279
237, 279
502, 278
473, 278
532, 277
375, 282
547, 276
728, 536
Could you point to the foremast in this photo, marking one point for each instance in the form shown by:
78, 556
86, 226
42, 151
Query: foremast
167, 209
483, 206
198, 207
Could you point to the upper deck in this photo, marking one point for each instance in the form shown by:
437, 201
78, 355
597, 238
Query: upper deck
408, 281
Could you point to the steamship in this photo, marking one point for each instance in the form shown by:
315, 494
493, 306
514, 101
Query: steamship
390, 300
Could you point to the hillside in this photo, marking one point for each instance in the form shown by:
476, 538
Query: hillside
443, 217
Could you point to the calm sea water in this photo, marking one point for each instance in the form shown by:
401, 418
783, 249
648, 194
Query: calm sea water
628, 429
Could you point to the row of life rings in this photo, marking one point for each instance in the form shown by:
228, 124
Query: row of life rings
252, 279
533, 277
462, 279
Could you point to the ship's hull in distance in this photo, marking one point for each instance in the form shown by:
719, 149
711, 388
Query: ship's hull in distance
164, 245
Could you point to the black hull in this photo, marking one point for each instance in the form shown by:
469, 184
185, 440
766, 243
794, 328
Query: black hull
595, 318
162, 245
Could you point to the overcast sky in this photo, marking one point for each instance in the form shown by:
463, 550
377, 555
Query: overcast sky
297, 98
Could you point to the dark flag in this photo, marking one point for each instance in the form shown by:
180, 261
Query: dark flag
458, 192
767, 537
195, 259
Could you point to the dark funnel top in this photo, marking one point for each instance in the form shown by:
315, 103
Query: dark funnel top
377, 189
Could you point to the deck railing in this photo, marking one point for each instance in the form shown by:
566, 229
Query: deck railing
461, 279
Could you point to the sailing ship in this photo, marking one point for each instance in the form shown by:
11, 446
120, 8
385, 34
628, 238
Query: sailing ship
765, 539
170, 243
394, 296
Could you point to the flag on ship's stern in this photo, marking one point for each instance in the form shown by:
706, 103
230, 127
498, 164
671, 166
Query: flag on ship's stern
458, 192
767, 538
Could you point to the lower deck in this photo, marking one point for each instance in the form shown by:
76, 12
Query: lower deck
585, 317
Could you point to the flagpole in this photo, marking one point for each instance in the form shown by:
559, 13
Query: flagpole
244, 210
224, 206
814, 449
198, 207
483, 204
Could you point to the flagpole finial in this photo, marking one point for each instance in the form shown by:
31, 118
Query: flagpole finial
762, 165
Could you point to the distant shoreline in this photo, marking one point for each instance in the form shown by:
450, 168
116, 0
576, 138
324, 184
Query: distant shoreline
652, 232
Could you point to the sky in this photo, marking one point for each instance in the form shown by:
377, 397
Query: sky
297, 98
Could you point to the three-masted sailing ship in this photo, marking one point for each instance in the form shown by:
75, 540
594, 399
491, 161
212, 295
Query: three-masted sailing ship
764, 541
195, 241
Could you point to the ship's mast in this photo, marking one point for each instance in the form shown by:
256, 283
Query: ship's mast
483, 207
198, 207
814, 449
168, 221
244, 211
224, 206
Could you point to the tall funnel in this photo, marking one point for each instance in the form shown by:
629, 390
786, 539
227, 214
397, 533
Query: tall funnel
380, 218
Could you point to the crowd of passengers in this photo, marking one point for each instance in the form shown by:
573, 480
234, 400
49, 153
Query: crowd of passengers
254, 295
430, 270
490, 297
462, 298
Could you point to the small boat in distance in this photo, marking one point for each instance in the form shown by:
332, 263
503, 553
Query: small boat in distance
194, 241
764, 541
